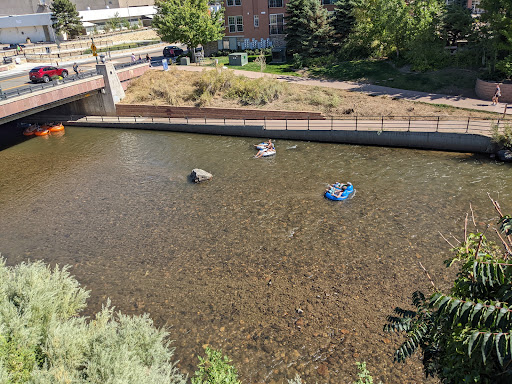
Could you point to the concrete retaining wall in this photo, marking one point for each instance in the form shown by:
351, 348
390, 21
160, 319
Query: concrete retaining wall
485, 91
212, 113
421, 140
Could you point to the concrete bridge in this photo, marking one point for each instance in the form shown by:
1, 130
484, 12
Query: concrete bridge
94, 94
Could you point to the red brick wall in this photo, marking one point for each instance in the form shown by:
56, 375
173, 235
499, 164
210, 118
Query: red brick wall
132, 72
212, 113
485, 91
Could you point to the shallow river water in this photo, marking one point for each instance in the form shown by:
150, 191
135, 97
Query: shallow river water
256, 261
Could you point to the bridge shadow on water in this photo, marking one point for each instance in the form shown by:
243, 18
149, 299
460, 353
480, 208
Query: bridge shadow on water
11, 135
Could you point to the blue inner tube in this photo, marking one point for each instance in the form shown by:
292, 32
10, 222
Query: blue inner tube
346, 193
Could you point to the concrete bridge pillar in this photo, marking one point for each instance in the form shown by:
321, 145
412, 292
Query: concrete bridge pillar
113, 91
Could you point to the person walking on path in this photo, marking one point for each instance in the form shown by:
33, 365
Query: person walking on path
148, 59
133, 57
497, 94
75, 68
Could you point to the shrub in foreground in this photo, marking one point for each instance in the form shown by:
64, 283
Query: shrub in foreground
465, 335
44, 340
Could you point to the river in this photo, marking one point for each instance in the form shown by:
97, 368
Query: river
256, 261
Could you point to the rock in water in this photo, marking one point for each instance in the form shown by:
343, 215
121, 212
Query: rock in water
505, 155
199, 175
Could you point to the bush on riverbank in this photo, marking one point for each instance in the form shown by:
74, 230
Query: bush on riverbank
247, 91
44, 340
502, 137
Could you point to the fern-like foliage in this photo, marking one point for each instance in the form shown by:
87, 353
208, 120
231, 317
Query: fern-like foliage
505, 224
465, 336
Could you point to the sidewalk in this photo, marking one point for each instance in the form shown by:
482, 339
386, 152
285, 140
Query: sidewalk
423, 97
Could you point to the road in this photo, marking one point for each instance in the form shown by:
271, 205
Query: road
20, 76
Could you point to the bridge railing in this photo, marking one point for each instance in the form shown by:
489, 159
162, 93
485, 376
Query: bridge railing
129, 64
42, 86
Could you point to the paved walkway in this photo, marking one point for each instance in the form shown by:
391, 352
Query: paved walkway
424, 97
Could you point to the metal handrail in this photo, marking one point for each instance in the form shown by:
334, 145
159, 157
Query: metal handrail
129, 64
454, 125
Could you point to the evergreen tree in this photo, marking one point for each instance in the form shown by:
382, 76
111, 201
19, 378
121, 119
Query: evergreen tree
344, 19
308, 31
456, 23
65, 18
189, 22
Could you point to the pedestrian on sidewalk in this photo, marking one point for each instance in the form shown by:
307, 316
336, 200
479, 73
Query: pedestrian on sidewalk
75, 68
497, 94
133, 57
148, 59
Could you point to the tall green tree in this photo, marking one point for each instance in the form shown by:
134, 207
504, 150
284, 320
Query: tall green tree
465, 335
344, 19
498, 16
189, 22
308, 31
65, 18
456, 24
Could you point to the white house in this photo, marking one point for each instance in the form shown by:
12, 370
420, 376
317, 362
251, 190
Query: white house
36, 27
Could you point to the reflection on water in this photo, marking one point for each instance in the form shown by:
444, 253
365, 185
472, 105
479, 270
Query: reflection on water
255, 261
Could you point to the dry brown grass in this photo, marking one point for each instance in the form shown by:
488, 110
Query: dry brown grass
183, 88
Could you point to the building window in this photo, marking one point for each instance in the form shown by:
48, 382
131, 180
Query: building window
275, 3
233, 2
327, 2
236, 24
276, 24
256, 21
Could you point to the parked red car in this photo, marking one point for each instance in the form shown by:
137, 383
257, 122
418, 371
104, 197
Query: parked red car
45, 73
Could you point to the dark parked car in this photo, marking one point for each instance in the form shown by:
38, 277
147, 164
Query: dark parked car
172, 51
45, 73
14, 46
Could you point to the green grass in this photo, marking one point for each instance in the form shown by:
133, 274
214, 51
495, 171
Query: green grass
378, 72
276, 69
381, 72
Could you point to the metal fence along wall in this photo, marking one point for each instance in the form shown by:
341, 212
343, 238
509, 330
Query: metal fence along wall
379, 124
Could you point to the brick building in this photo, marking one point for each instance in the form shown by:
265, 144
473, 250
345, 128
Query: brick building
255, 20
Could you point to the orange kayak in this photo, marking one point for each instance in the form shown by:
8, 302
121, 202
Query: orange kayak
42, 131
56, 128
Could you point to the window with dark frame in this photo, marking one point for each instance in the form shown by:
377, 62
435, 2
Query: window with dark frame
276, 24
275, 3
236, 24
256, 21
230, 3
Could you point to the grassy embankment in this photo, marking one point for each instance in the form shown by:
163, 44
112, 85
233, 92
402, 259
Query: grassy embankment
223, 89
450, 81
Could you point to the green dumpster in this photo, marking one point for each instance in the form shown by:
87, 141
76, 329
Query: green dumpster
238, 59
